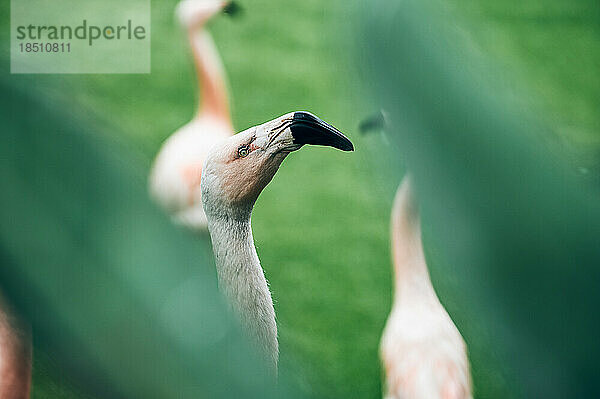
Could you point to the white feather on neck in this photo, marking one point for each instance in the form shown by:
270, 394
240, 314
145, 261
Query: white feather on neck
242, 280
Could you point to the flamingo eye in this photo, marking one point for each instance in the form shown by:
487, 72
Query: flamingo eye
243, 151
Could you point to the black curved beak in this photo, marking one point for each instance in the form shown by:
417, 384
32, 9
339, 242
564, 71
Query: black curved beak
306, 128
233, 9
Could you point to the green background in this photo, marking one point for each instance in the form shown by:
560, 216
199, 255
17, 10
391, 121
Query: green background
321, 226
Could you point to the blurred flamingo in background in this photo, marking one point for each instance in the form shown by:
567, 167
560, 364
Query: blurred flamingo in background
15, 356
423, 353
177, 170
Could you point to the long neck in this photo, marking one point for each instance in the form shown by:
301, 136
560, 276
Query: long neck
242, 280
411, 274
210, 75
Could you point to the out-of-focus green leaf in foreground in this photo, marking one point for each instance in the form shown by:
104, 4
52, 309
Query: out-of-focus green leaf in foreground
123, 301
518, 231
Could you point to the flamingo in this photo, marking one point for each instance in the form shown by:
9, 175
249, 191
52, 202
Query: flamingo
177, 170
423, 354
15, 357
234, 174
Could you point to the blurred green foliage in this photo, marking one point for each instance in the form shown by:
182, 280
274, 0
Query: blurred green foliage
321, 227
551, 49
516, 227
125, 303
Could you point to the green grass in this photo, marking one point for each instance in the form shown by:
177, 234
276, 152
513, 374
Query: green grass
321, 227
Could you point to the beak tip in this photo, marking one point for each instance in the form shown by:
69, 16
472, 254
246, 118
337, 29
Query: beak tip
309, 129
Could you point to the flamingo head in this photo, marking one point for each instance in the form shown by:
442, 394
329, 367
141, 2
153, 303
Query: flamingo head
195, 13
239, 168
